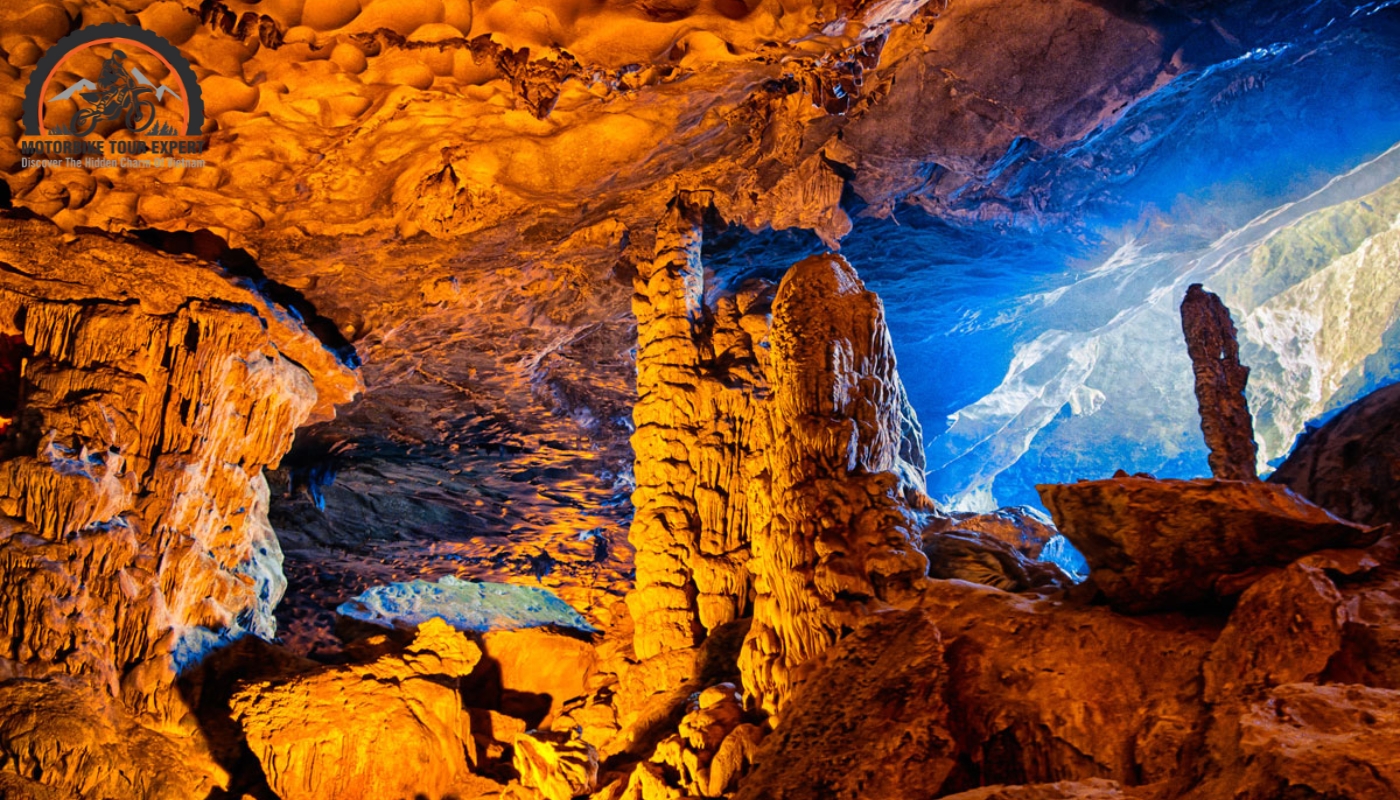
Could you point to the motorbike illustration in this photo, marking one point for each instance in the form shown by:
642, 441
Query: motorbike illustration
118, 96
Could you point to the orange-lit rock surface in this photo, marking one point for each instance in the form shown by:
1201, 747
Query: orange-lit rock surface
1165, 544
500, 209
794, 460
465, 189
155, 391
62, 739
840, 542
394, 727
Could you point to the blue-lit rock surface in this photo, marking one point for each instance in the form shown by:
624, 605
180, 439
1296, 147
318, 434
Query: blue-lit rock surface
465, 605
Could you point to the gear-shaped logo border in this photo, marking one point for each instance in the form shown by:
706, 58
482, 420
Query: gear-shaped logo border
113, 30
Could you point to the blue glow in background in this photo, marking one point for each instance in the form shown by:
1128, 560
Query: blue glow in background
1316, 96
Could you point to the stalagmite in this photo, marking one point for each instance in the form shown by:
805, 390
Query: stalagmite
796, 463
1220, 385
841, 542
699, 376
666, 522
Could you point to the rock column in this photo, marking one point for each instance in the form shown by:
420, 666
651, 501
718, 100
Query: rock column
841, 542
665, 524
1220, 385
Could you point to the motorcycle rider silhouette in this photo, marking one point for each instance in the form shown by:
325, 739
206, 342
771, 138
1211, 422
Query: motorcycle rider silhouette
117, 94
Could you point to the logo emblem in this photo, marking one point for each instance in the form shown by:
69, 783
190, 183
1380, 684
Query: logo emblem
114, 90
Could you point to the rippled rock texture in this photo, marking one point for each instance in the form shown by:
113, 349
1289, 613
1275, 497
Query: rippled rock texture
803, 484
152, 394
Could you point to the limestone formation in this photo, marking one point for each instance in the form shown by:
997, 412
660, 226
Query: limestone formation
1370, 646
1163, 544
1285, 629
871, 722
986, 559
1220, 385
501, 204
667, 522
1023, 528
72, 741
532, 674
714, 746
794, 466
841, 541
154, 391
1092, 789
1110, 706
558, 766
1105, 695
1308, 740
351, 733
726, 472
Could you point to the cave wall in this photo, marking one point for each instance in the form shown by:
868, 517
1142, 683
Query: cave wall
154, 393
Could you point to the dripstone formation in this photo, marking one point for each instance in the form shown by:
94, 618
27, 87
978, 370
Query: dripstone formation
153, 393
1220, 385
505, 209
770, 462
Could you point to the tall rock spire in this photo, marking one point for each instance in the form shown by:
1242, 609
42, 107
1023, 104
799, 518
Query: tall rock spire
1220, 384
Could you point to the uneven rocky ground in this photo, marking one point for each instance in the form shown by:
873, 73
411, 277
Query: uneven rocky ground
440, 303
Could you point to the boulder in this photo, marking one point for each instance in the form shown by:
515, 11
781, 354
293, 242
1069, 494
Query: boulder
1348, 464
531, 673
1370, 589
870, 720
558, 766
1160, 544
348, 733
1043, 690
465, 605
70, 741
1024, 528
1306, 740
14, 787
714, 747
983, 558
1286, 628
1093, 789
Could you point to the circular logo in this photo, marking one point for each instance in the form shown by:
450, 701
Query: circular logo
112, 77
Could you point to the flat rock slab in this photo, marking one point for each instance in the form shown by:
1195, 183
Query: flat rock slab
465, 605
1154, 545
